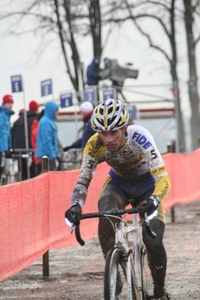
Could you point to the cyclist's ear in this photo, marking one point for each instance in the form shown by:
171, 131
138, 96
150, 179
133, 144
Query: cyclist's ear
125, 128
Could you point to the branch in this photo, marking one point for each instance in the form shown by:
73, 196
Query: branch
196, 41
151, 43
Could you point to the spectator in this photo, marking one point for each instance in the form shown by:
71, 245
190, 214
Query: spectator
86, 109
5, 129
47, 137
93, 76
19, 140
34, 130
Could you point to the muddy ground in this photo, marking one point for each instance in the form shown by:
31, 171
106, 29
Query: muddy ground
76, 273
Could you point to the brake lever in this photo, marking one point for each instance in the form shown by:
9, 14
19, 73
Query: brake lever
148, 227
71, 225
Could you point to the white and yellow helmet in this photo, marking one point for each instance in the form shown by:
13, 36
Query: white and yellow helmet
109, 115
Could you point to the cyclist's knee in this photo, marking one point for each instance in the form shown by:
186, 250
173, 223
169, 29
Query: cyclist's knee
108, 202
111, 199
106, 234
107, 225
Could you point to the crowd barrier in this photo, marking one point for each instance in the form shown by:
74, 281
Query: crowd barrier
32, 211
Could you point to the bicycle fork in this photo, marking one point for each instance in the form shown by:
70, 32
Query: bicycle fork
121, 239
137, 259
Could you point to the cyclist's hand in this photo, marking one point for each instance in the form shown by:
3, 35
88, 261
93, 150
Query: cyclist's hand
73, 214
148, 206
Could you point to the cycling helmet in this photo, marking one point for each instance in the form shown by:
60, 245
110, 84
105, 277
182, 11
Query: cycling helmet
109, 115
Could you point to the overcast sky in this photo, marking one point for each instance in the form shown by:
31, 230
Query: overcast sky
18, 57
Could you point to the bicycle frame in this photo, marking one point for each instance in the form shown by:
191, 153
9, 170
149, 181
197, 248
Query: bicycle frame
133, 263
121, 241
137, 248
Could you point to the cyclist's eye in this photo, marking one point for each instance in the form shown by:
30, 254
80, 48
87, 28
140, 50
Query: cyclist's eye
114, 132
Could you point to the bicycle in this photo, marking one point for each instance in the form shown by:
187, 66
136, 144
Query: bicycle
129, 262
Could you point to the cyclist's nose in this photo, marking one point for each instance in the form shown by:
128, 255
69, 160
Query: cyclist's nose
109, 138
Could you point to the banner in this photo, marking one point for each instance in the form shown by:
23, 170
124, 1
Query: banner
66, 100
109, 93
16, 84
46, 87
90, 94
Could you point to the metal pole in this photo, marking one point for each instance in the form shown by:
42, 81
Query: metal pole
169, 148
45, 257
26, 136
172, 210
176, 115
76, 115
199, 141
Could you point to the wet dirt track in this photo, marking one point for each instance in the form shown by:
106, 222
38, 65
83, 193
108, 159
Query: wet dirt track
76, 273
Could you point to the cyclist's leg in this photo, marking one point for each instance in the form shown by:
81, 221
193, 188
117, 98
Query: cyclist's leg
112, 196
157, 257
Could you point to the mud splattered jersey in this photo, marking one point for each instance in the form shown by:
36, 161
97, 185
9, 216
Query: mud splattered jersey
136, 157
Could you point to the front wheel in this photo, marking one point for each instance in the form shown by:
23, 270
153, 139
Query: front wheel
115, 277
147, 284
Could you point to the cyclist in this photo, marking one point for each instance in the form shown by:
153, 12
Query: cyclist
137, 172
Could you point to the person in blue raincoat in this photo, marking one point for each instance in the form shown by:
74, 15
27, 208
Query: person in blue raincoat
47, 137
5, 129
93, 76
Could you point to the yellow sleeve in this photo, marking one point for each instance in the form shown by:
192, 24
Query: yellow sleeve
162, 182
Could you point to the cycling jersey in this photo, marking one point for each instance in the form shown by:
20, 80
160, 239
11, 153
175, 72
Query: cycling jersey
137, 160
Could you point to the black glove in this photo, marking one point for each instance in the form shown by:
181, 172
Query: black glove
73, 214
66, 148
9, 153
148, 206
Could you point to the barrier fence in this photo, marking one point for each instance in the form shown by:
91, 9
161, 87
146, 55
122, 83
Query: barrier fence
32, 211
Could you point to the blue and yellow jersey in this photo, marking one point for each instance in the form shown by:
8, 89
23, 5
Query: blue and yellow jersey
137, 157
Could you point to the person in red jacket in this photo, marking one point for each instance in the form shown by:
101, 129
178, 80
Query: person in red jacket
19, 140
34, 131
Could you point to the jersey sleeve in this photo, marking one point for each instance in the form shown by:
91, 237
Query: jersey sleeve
162, 182
87, 171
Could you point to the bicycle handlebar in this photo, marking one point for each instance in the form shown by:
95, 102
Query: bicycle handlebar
112, 212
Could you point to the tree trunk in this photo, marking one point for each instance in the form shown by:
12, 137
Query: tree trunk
180, 144
193, 79
95, 25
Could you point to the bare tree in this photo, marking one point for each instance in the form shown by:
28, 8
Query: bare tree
67, 20
164, 14
192, 8
95, 26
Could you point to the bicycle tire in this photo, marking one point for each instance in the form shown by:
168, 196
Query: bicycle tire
147, 284
143, 281
115, 265
137, 262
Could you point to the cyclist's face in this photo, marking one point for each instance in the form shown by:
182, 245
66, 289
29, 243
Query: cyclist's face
113, 140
